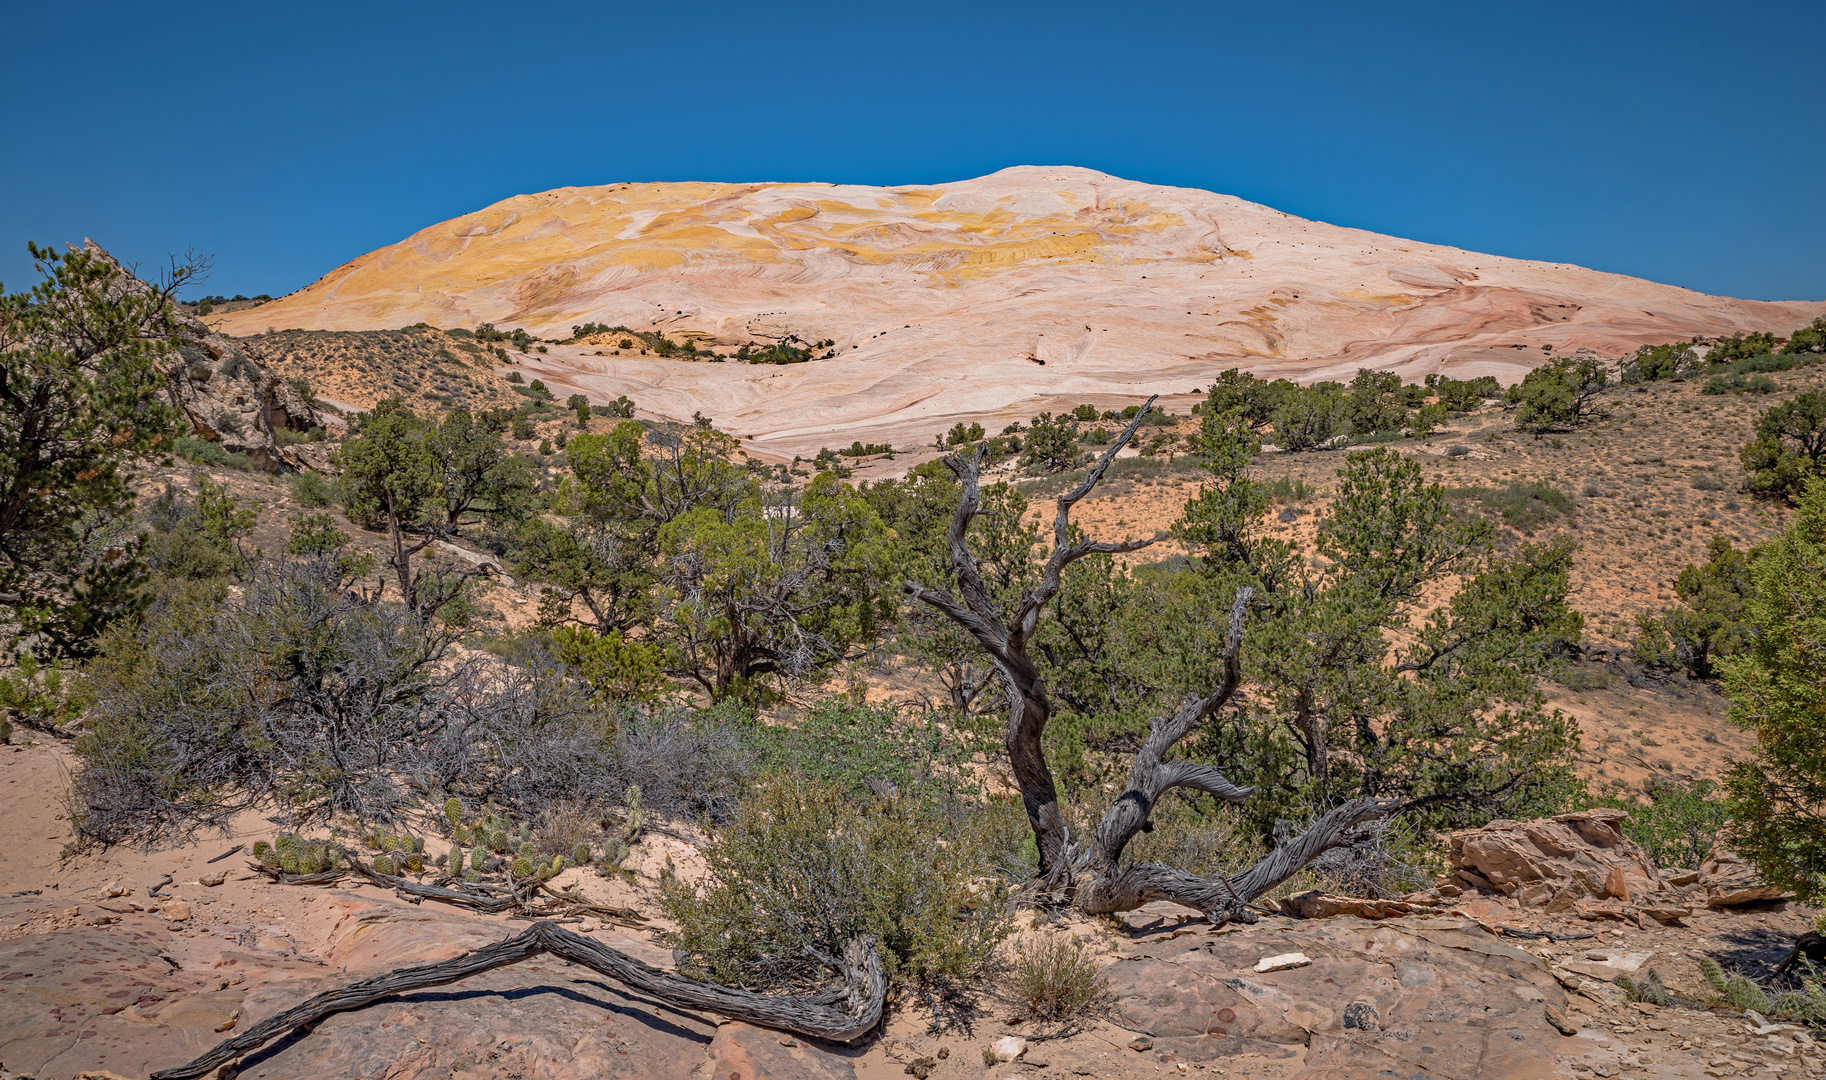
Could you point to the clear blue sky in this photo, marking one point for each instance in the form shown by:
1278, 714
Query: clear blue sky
1680, 142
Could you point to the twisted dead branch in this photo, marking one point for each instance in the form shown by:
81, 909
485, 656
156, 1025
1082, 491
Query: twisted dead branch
843, 1015
482, 898
1091, 876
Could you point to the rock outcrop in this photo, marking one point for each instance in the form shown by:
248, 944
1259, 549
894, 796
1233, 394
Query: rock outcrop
1419, 997
1555, 862
231, 398
1729, 881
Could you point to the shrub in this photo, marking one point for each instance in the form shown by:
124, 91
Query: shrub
1652, 363
805, 866
1740, 347
309, 488
1789, 448
204, 452
1808, 339
962, 434
1559, 395
1308, 419
1680, 824
1050, 445
1778, 690
1055, 978
1523, 504
1711, 623
300, 693
515, 377
1734, 383
844, 744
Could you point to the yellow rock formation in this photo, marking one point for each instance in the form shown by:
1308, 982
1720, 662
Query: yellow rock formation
985, 298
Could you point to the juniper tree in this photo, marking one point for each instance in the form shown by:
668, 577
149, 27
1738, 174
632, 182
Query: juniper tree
1452, 716
1789, 448
80, 404
1778, 691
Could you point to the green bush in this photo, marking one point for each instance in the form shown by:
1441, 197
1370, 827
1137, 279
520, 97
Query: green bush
963, 435
204, 452
838, 742
1789, 448
806, 866
1050, 445
1680, 824
1778, 690
1652, 363
1559, 395
1055, 978
1712, 621
310, 488
1521, 505
1738, 384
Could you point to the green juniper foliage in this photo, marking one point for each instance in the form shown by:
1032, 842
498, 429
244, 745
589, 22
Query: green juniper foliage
1559, 395
1342, 710
1712, 620
1789, 449
1778, 691
80, 404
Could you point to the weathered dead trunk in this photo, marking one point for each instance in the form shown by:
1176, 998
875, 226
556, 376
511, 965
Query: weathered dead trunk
1093, 877
843, 1016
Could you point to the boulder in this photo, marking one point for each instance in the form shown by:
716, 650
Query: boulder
1552, 862
1729, 881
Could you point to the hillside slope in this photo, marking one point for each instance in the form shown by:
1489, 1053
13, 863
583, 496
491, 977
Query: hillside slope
983, 298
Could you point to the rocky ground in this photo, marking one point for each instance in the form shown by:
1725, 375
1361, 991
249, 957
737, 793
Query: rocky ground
99, 978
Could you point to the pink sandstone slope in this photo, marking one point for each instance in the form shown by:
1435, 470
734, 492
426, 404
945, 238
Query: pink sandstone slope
981, 298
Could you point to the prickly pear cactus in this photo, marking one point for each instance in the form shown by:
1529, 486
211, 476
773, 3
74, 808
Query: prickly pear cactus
635, 818
383, 864
264, 854
478, 858
581, 854
453, 811
288, 862
523, 867
415, 863
527, 849
497, 841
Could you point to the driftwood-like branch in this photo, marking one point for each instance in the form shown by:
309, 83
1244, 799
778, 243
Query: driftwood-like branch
569, 903
841, 1018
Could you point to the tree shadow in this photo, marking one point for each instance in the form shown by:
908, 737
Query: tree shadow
612, 1000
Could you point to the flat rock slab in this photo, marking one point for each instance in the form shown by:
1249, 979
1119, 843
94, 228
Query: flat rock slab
745, 1052
133, 997
1435, 998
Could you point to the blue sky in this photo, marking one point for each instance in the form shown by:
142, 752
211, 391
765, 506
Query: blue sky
1680, 142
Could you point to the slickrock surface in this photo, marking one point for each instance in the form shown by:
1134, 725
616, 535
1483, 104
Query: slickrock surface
986, 298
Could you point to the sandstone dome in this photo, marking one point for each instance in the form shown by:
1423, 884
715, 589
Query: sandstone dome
985, 298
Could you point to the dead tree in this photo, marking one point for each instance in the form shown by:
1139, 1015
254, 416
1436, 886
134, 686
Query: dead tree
842, 1015
1092, 875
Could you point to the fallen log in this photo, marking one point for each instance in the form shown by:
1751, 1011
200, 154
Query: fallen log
841, 1016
